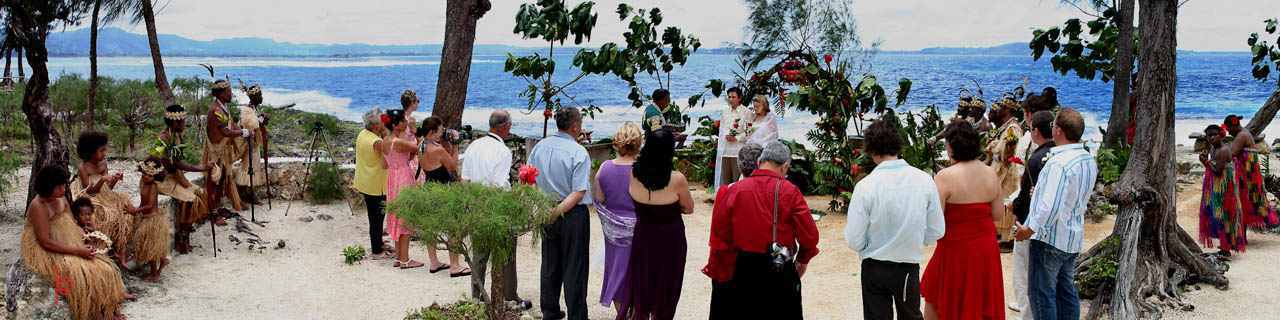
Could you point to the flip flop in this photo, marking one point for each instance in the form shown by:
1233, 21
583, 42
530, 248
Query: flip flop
408, 264
440, 267
460, 274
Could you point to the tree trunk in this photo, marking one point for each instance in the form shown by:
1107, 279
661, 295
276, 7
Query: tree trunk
496, 306
90, 101
49, 149
8, 59
22, 75
455, 58
1118, 123
162, 81
1155, 254
1265, 114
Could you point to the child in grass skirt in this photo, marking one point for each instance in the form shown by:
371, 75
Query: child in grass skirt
152, 233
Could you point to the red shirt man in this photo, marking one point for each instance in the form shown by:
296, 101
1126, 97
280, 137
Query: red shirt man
743, 217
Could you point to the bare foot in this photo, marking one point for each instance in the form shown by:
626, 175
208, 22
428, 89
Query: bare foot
130, 296
120, 316
154, 277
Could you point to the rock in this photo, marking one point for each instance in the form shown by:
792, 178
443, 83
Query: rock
280, 244
324, 217
233, 239
306, 219
29, 296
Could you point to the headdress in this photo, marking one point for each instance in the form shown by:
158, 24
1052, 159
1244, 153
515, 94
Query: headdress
150, 168
409, 95
175, 112
220, 85
1008, 102
253, 90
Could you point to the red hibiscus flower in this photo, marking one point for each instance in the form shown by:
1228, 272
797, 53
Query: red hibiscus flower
546, 113
827, 58
528, 174
1014, 160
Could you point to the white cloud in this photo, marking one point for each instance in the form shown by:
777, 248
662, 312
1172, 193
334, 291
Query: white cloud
902, 24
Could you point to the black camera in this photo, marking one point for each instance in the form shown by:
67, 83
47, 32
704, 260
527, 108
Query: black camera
779, 256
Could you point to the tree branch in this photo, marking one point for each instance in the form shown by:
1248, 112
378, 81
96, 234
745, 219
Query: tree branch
1082, 10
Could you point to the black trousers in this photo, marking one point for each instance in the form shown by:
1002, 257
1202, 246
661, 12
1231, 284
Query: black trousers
374, 205
889, 286
565, 245
757, 291
480, 262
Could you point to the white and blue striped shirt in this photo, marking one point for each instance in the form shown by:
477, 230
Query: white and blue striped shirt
1061, 197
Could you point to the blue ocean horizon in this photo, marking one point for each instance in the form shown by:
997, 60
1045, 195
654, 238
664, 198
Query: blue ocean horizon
1210, 85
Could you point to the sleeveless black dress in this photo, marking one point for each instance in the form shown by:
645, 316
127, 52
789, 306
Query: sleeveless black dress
656, 272
439, 175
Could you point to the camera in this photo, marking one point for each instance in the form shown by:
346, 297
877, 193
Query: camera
779, 256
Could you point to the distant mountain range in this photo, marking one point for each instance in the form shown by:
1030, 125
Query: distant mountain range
1015, 48
118, 42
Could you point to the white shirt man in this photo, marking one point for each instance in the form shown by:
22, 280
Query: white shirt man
488, 161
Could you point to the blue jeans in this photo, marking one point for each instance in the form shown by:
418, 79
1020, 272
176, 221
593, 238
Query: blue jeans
1051, 283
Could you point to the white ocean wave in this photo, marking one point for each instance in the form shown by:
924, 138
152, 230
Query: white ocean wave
308, 100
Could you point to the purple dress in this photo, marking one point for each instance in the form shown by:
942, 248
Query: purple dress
618, 218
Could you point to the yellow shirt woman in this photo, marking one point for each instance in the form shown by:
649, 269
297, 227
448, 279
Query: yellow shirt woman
371, 169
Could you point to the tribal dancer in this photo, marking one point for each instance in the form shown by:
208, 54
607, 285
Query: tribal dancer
252, 119
220, 151
1220, 213
1247, 157
1002, 155
189, 201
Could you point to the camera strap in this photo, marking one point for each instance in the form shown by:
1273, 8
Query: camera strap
774, 230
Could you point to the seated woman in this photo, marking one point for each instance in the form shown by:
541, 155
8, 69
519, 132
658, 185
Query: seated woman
54, 247
113, 214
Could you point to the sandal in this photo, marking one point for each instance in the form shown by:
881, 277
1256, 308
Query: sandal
465, 272
382, 256
408, 264
440, 267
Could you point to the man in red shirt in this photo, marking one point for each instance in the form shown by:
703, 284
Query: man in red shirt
749, 217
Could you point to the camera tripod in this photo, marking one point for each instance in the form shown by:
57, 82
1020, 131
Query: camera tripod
318, 140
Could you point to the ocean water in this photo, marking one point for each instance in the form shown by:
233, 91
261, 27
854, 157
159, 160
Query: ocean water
1210, 86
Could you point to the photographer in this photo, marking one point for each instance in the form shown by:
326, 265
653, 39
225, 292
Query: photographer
763, 226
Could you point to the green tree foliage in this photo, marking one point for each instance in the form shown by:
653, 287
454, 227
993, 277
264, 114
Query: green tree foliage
1266, 55
1087, 48
646, 51
489, 217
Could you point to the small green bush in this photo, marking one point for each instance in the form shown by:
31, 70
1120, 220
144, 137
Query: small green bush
461, 310
352, 254
1111, 163
325, 184
9, 164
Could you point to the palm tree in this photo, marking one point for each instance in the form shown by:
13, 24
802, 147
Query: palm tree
144, 11
114, 9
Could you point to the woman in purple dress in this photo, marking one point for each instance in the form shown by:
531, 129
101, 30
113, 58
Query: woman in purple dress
617, 212
658, 245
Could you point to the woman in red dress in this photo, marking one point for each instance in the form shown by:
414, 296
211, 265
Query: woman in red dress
963, 279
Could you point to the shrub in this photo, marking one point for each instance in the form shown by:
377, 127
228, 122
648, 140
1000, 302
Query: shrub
1111, 163
488, 216
325, 184
461, 310
352, 254
9, 164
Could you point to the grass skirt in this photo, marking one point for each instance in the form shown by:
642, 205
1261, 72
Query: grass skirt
152, 239
93, 287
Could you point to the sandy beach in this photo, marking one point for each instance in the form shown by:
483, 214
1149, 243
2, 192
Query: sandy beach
308, 280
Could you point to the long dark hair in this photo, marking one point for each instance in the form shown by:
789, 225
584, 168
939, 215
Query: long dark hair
395, 117
653, 167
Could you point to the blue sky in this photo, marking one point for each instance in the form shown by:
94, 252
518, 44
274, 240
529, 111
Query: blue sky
1208, 25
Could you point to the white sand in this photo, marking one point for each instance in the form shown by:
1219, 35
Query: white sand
308, 280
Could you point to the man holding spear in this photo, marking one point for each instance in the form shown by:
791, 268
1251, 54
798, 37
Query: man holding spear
252, 171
